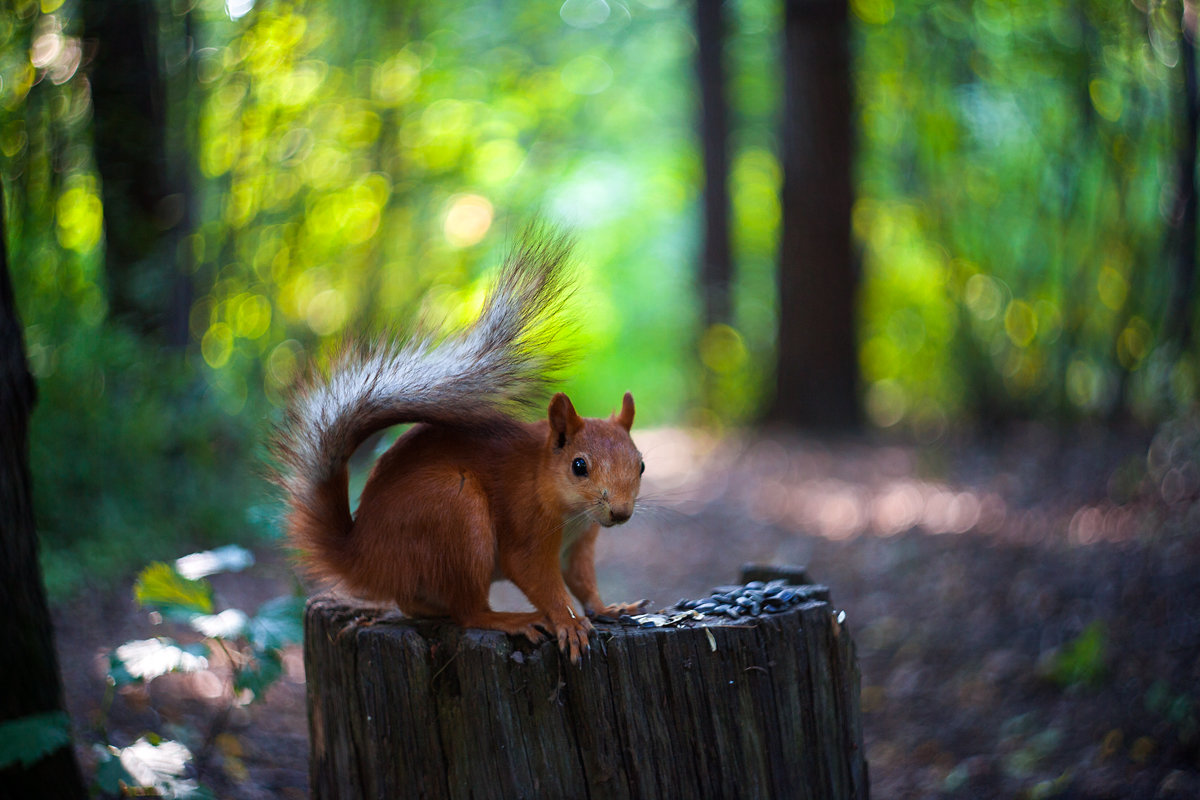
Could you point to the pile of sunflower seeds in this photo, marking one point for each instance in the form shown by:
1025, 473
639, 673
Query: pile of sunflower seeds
752, 600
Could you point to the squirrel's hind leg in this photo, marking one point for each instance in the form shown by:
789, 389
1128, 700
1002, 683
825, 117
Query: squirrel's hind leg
449, 544
514, 623
418, 609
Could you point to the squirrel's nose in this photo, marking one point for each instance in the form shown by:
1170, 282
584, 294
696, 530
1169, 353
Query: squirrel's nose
620, 514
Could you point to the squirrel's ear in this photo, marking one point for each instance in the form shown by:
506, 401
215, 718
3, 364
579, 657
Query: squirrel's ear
625, 418
564, 422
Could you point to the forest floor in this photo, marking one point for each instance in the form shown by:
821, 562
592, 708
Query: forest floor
1026, 609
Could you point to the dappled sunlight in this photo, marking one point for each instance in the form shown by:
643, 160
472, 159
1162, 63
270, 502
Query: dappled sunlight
875, 505
467, 220
55, 52
675, 458
843, 490
1092, 524
300, 173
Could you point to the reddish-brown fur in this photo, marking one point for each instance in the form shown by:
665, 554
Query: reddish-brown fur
450, 508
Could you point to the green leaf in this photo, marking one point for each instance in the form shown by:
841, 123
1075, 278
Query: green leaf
118, 673
1158, 696
263, 671
1081, 660
160, 587
278, 623
109, 773
27, 740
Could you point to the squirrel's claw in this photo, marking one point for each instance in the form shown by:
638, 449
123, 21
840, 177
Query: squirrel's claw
572, 635
534, 633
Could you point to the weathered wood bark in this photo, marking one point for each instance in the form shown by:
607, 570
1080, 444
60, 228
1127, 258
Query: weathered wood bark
29, 678
763, 707
816, 361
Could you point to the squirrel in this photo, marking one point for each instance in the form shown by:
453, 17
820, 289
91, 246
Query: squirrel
469, 494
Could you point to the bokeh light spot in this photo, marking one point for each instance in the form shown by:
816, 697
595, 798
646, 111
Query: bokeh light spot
587, 75
1020, 323
217, 345
467, 220
873, 12
722, 349
584, 13
326, 312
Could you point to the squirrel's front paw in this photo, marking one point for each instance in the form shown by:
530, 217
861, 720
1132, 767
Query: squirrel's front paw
572, 633
614, 611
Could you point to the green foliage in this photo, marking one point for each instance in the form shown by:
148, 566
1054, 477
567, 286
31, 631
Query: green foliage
150, 763
27, 740
260, 639
1083, 660
257, 677
252, 646
277, 623
147, 659
1016, 163
354, 161
110, 775
1179, 709
342, 168
131, 456
162, 588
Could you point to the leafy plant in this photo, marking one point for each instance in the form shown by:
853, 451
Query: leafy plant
1179, 709
179, 595
151, 764
123, 442
28, 739
1081, 661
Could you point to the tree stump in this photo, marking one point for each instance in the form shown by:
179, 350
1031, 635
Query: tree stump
750, 707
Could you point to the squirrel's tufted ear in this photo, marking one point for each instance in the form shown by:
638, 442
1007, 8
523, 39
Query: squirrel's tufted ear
564, 422
625, 418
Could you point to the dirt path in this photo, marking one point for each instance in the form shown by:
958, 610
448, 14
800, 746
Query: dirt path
1027, 613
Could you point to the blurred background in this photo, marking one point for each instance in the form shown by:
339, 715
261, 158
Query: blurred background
904, 290
202, 196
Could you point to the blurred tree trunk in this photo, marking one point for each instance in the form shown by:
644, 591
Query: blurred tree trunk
28, 664
817, 366
717, 263
1184, 219
145, 200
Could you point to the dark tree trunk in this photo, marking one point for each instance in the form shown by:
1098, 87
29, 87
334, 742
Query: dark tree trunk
1180, 308
145, 197
817, 366
716, 270
28, 664
761, 707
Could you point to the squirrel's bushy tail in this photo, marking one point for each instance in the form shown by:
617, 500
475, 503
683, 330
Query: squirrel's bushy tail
503, 361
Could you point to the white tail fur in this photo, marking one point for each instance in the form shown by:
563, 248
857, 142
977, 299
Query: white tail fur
504, 360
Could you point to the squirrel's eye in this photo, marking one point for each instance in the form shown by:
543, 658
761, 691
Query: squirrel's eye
579, 467
642, 471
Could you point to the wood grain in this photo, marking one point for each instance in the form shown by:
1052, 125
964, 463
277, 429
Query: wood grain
747, 708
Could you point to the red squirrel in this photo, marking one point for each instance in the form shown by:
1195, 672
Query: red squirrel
469, 494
